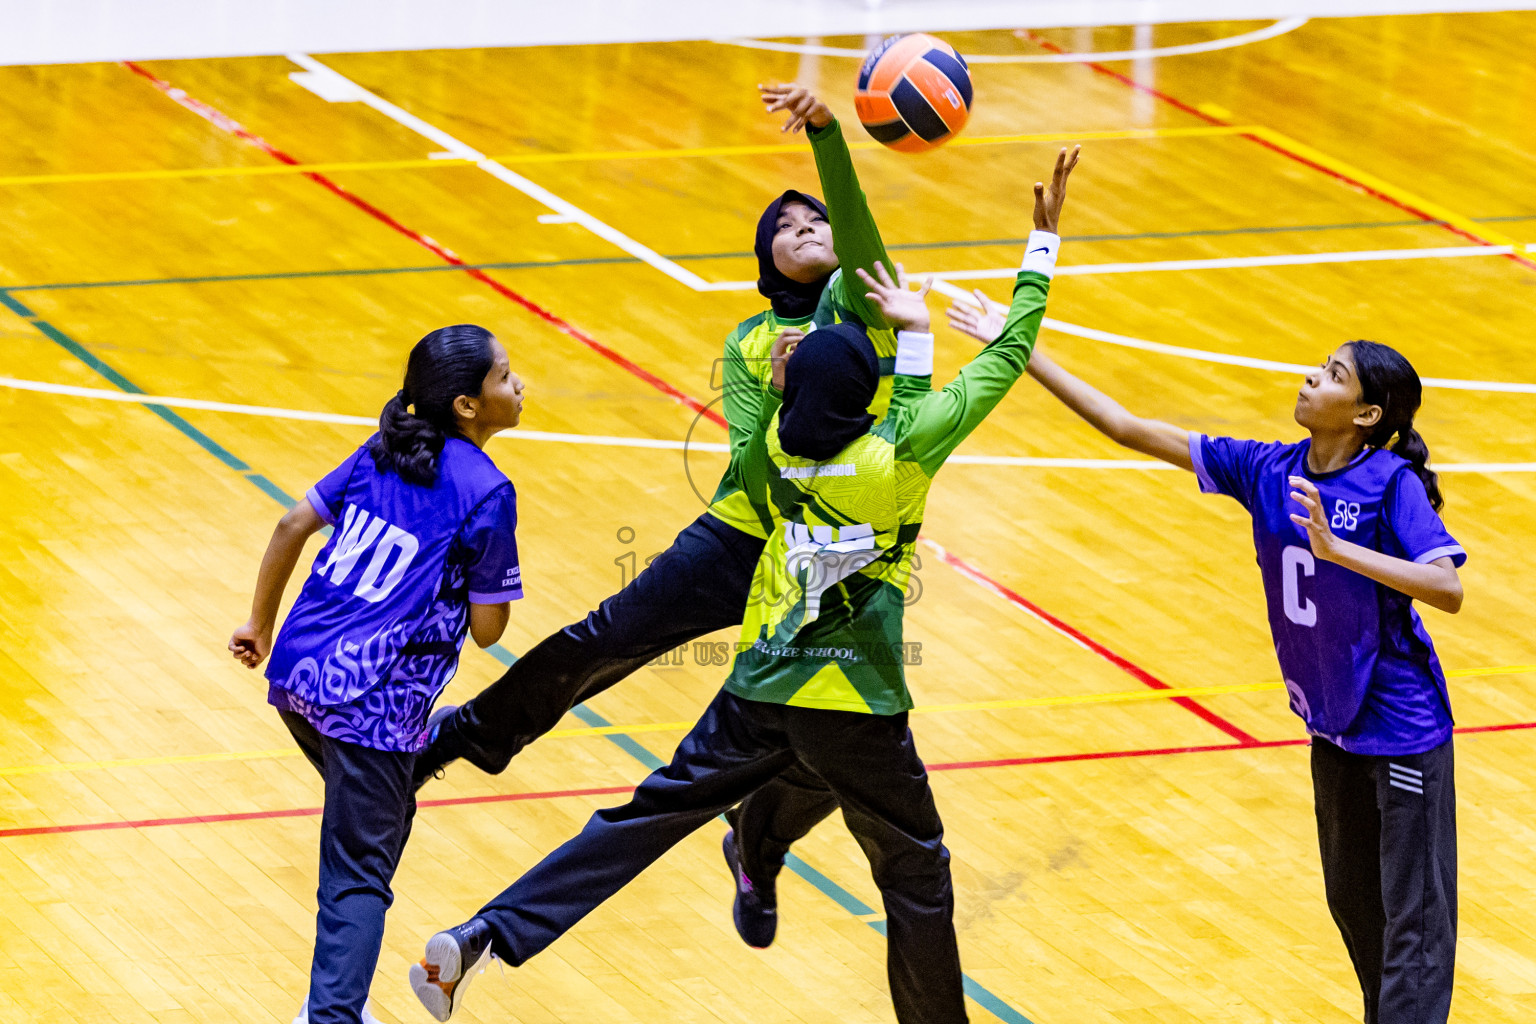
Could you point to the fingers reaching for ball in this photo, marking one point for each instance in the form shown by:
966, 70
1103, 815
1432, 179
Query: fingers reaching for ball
803, 106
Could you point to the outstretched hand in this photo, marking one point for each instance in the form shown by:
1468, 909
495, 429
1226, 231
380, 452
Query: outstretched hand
902, 308
1049, 201
803, 106
984, 321
1304, 492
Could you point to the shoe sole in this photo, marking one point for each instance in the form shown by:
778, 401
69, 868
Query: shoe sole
443, 953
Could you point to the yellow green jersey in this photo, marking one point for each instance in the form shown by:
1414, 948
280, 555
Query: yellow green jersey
745, 368
823, 625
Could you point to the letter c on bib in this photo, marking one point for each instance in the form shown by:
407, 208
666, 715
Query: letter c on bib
1293, 559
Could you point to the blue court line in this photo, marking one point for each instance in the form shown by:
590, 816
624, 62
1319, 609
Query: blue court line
438, 268
89, 358
628, 744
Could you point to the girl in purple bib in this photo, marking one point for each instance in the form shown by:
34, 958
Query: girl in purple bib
422, 550
1348, 535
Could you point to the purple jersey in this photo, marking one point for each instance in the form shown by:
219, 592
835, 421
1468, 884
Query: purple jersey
376, 631
1360, 669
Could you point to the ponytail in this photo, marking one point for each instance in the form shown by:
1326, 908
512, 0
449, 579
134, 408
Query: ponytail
1387, 379
416, 423
1411, 446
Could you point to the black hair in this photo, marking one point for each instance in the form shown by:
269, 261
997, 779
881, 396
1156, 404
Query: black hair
1387, 379
417, 422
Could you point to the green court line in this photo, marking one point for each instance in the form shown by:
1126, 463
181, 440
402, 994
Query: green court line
111, 375
977, 992
974, 243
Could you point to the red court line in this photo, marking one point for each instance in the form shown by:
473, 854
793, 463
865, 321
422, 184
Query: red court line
1122, 663
233, 127
226, 123
1103, 755
299, 812
501, 798
1351, 182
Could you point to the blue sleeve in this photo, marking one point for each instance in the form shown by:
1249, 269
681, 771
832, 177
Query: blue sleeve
327, 495
1414, 525
490, 545
1226, 465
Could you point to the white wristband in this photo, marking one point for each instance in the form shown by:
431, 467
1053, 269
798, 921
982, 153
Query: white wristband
914, 354
1040, 252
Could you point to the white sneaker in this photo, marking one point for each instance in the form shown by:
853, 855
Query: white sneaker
303, 1017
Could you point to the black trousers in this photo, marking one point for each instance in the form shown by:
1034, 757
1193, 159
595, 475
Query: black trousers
868, 761
698, 585
369, 806
1387, 830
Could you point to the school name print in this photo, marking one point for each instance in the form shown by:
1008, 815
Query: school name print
822, 569
718, 653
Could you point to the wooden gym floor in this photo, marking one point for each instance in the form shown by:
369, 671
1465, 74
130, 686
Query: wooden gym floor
1119, 855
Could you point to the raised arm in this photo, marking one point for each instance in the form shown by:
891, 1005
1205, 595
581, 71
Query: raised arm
932, 425
1150, 437
1164, 441
855, 238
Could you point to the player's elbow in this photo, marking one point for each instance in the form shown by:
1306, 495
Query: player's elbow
1123, 429
1452, 596
484, 636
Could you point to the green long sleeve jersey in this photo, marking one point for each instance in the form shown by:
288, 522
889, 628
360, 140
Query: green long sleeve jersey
823, 625
745, 368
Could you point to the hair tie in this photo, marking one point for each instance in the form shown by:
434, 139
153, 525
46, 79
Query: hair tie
404, 400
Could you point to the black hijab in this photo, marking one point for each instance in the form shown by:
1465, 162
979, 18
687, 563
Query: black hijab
791, 299
829, 382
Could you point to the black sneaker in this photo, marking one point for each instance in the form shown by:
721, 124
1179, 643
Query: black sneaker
756, 913
439, 752
453, 959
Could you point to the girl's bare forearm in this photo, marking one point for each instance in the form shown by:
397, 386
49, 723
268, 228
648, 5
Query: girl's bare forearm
1436, 584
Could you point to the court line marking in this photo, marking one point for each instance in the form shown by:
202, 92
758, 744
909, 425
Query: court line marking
136, 394
496, 798
1308, 156
229, 125
961, 243
1081, 639
685, 153
505, 175
607, 441
1009, 704
1205, 263
1279, 28
1010, 762
1208, 356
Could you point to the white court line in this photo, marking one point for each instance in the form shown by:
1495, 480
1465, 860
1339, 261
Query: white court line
1206, 356
1240, 262
274, 412
604, 441
1217, 263
329, 82
1279, 28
